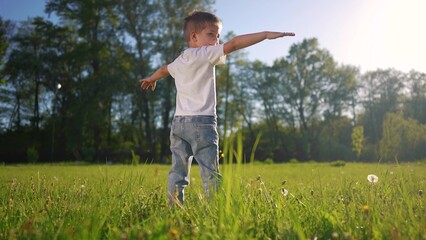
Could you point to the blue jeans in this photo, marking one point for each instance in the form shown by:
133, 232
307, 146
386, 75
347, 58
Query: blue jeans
193, 137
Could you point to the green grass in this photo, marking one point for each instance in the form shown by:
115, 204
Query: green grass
277, 201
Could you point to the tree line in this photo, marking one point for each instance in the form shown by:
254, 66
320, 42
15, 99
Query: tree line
69, 92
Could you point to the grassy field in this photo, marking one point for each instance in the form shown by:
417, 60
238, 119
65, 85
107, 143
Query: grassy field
277, 201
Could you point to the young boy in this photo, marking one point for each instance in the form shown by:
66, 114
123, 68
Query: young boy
193, 132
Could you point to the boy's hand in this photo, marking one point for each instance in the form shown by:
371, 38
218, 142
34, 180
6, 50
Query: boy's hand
147, 82
152, 80
274, 35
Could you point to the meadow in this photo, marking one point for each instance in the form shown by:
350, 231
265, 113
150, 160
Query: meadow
256, 201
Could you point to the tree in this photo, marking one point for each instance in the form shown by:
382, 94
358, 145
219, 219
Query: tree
6, 94
381, 93
403, 139
95, 22
357, 140
303, 77
257, 88
4, 43
31, 72
252, 104
232, 94
27, 68
341, 91
415, 105
340, 96
138, 19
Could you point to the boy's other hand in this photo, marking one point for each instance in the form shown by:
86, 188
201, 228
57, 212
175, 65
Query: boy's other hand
146, 83
274, 35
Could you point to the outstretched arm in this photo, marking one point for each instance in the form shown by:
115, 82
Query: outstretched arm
243, 41
152, 80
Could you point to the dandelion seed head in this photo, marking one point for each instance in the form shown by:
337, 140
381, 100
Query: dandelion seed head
372, 178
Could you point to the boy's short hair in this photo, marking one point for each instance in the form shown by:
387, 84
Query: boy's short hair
196, 21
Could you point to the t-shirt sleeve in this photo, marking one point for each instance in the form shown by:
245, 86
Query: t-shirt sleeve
171, 69
215, 54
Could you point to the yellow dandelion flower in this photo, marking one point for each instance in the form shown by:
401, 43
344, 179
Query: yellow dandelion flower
173, 232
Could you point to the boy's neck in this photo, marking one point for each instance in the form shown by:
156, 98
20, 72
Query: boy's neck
192, 45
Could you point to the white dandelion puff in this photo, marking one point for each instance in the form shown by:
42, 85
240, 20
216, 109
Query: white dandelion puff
372, 178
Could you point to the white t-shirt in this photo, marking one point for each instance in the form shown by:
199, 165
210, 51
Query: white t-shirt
195, 79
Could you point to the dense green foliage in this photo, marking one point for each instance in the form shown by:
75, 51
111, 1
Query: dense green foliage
256, 201
69, 91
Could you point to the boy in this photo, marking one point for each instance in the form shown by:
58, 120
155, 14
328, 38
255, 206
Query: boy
193, 132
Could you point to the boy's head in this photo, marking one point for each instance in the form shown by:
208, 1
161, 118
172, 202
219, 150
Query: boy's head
197, 21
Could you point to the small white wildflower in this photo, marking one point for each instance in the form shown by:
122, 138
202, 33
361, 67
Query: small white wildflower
82, 186
200, 196
284, 192
372, 178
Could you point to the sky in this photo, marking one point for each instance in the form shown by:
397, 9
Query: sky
368, 34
